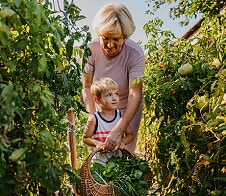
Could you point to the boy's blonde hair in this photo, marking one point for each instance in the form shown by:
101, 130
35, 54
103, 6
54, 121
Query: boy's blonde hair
114, 18
101, 85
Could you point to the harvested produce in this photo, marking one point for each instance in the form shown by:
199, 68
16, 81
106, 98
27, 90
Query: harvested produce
124, 174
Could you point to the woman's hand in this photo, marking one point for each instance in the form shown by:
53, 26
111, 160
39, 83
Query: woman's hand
113, 141
122, 145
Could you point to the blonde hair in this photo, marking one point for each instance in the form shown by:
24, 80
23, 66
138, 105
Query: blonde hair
104, 84
114, 19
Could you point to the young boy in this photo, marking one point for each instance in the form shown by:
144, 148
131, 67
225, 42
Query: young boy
105, 95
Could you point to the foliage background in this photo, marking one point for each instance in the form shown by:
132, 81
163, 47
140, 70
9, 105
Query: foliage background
183, 125
39, 82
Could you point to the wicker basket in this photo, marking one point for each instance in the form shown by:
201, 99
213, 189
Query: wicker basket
89, 186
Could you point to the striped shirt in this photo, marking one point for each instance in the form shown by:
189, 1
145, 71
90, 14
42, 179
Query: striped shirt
103, 126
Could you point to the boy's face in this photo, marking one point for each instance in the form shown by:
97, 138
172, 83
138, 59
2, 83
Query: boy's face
109, 99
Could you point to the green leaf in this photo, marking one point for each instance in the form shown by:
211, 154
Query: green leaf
69, 48
4, 34
138, 174
46, 136
36, 87
17, 2
42, 68
18, 154
222, 179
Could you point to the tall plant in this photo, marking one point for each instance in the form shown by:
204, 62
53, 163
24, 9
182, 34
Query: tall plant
185, 101
39, 82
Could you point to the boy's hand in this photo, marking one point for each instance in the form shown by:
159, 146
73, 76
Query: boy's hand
100, 145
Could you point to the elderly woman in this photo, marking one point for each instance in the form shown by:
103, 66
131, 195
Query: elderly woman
116, 56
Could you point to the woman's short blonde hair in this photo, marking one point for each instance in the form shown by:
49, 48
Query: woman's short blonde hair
114, 19
103, 85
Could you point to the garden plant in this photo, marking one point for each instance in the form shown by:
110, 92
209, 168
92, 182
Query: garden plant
184, 122
39, 82
183, 127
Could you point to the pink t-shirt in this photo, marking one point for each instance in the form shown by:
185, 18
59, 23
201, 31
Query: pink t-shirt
128, 64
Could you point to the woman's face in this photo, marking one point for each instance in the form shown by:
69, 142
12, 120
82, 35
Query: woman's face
111, 45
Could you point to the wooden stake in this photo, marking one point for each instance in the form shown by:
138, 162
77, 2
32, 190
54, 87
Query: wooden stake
72, 138
72, 142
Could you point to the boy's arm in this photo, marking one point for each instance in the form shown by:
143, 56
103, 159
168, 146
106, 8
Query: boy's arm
89, 131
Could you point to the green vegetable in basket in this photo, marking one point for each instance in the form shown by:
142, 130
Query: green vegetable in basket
124, 174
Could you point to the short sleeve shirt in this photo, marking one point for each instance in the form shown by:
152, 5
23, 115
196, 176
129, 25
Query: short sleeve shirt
128, 64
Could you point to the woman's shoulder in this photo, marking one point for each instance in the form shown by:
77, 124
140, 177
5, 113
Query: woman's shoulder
94, 43
132, 45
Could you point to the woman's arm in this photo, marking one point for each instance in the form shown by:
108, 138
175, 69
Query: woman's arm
86, 94
135, 96
129, 137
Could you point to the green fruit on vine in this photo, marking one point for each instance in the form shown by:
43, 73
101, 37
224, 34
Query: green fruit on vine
185, 69
216, 62
6, 12
224, 99
202, 102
